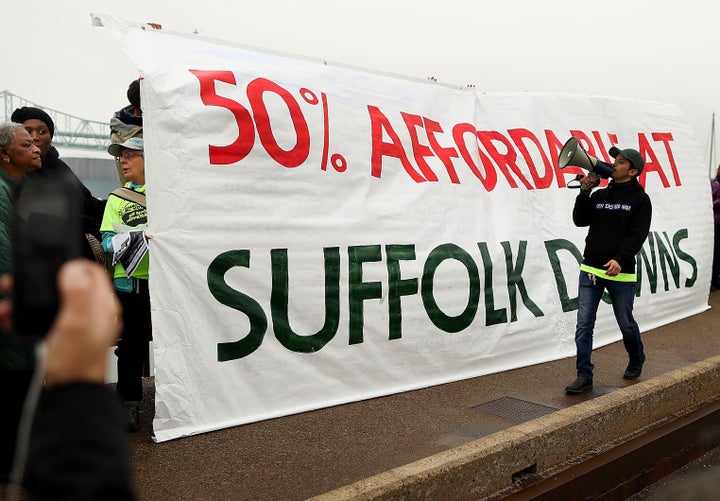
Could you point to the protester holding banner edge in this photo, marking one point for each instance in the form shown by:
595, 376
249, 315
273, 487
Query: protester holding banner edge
618, 218
715, 189
126, 210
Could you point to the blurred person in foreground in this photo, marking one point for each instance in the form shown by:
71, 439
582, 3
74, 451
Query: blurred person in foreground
77, 447
18, 157
42, 129
618, 218
125, 211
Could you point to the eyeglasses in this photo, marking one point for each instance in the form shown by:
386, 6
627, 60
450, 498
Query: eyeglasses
129, 155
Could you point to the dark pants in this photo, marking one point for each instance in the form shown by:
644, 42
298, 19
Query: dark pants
133, 346
715, 280
622, 295
14, 385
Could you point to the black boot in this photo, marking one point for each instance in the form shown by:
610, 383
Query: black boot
132, 415
580, 385
634, 369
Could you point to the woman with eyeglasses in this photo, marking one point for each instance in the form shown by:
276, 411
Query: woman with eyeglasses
18, 157
125, 212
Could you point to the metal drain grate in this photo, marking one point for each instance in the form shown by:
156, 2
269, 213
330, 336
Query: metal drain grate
515, 409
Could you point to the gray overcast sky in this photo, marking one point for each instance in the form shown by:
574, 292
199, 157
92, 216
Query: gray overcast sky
658, 50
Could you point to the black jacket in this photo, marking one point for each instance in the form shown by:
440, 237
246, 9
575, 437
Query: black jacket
619, 219
78, 450
93, 208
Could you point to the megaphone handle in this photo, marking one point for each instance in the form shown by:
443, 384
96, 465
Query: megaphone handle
577, 179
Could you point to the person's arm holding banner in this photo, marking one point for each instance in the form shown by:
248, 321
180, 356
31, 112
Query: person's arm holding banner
122, 230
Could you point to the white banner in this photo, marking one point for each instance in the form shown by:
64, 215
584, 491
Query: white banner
324, 234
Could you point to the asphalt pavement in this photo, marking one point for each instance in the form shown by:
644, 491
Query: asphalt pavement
302, 455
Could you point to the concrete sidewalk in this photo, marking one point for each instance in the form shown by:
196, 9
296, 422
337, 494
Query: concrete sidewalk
304, 455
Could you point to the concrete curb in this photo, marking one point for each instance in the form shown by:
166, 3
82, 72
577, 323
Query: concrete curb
486, 466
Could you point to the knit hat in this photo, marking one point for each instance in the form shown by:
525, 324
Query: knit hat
633, 156
20, 115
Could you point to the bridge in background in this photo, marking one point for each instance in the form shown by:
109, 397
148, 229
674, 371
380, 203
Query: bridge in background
70, 131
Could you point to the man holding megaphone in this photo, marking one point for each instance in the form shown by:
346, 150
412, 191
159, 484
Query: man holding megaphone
618, 218
572, 154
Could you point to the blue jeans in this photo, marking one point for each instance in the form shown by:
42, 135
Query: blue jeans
622, 296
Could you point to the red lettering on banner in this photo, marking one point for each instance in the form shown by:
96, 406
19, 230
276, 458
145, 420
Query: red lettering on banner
651, 162
495, 150
412, 122
287, 158
554, 148
380, 148
603, 149
489, 180
613, 141
503, 160
665, 138
445, 154
518, 135
239, 149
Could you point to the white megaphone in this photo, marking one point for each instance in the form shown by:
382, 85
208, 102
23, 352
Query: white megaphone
572, 154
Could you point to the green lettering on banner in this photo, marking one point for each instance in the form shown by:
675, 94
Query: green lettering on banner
492, 316
515, 280
667, 256
552, 248
238, 301
650, 266
279, 303
397, 286
359, 291
659, 251
442, 321
677, 238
